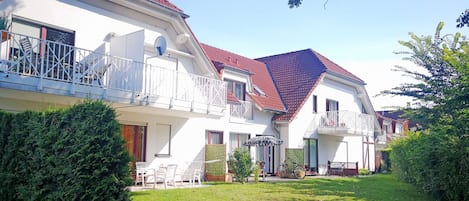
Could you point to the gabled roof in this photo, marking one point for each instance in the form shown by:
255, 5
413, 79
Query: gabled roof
298, 73
259, 76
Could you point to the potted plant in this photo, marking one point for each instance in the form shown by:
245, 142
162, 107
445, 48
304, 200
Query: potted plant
5, 25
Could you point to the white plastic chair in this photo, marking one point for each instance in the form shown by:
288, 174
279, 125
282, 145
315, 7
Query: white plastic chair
196, 175
166, 175
142, 172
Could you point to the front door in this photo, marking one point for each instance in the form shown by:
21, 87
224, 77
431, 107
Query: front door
266, 154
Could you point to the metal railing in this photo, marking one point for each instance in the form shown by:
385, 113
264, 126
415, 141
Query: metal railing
347, 120
243, 110
33, 57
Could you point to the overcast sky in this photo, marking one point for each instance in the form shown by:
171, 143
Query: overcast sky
359, 35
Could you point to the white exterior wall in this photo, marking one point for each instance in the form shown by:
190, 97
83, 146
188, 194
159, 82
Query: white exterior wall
330, 147
188, 134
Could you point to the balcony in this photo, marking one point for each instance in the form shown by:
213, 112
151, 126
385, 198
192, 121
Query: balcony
241, 110
345, 123
33, 64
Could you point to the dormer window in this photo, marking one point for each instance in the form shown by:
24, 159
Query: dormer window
238, 89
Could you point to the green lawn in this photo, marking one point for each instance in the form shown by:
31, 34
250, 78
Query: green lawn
376, 187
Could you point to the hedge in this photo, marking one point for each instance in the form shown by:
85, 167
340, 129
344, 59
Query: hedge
72, 154
436, 161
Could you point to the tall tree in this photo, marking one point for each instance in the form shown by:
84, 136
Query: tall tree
439, 79
294, 3
437, 158
462, 20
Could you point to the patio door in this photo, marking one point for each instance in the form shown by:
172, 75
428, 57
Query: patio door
135, 141
311, 155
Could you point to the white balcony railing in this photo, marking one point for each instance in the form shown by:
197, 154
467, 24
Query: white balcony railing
345, 122
27, 56
242, 110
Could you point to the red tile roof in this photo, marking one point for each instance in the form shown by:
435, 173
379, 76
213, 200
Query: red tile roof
297, 74
259, 76
167, 4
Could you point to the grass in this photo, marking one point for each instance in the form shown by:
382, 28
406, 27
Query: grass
376, 187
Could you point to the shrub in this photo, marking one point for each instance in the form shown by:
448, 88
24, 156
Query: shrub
256, 171
436, 161
74, 154
363, 171
241, 163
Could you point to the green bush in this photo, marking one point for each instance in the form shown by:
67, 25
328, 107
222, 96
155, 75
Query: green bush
241, 163
256, 171
73, 154
363, 171
436, 161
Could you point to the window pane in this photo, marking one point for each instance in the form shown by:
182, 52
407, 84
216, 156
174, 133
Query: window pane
315, 103
237, 140
310, 149
229, 85
214, 137
239, 93
163, 139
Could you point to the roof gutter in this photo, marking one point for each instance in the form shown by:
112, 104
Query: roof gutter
345, 77
183, 15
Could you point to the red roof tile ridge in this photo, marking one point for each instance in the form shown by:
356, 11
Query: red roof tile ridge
351, 75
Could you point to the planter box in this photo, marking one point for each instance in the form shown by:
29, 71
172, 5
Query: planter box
215, 178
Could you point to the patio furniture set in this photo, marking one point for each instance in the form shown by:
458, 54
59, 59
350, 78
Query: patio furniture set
167, 175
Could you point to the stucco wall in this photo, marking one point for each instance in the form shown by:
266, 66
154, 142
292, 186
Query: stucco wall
330, 147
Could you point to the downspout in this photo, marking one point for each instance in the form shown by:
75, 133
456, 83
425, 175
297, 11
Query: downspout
277, 133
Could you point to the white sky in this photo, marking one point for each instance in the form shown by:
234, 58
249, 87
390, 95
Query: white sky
360, 36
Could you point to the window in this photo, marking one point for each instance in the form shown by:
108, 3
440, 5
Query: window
332, 105
311, 154
315, 104
53, 51
387, 127
332, 109
237, 140
399, 128
163, 140
238, 89
214, 137
135, 140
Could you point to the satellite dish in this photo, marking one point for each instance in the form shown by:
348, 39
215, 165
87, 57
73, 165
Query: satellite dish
160, 45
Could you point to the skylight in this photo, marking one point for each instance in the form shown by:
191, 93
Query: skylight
258, 90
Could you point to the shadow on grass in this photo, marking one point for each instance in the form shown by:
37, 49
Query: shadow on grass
375, 187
